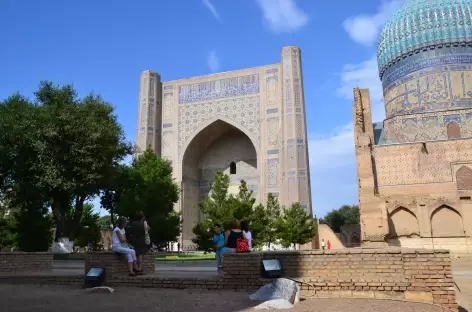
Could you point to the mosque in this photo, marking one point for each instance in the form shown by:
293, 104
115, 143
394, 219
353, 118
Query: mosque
415, 167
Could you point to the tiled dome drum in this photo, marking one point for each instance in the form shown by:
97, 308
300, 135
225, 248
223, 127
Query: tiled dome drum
424, 56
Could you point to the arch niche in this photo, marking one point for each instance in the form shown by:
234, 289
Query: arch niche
402, 222
218, 146
446, 222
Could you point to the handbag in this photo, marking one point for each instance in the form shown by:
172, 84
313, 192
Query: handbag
242, 245
147, 238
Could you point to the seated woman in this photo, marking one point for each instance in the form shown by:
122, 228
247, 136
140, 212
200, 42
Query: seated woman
120, 245
232, 235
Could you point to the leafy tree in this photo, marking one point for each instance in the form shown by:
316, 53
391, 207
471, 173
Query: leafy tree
295, 227
221, 208
148, 185
105, 222
346, 214
259, 226
203, 236
33, 228
61, 148
88, 231
7, 236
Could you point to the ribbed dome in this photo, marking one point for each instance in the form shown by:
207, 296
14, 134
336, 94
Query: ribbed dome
421, 25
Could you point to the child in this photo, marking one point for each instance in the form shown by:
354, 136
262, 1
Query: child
219, 241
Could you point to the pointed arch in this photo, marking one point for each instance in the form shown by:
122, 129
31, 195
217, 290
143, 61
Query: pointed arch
232, 168
464, 178
402, 222
446, 222
212, 121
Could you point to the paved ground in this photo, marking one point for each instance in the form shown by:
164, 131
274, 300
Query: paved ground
26, 298
462, 271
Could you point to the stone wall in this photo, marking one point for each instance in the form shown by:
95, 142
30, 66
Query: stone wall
115, 264
408, 274
25, 262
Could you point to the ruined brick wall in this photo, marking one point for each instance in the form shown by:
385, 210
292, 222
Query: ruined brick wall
408, 274
25, 262
115, 264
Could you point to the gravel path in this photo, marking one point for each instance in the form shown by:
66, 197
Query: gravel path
26, 298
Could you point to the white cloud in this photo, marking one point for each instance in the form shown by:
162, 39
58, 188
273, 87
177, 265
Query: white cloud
364, 75
212, 9
364, 28
213, 61
334, 150
282, 15
333, 170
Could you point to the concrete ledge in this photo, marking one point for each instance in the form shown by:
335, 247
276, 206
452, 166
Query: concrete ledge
115, 264
25, 261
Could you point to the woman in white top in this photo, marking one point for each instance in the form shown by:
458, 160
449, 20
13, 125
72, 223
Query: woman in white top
247, 233
120, 245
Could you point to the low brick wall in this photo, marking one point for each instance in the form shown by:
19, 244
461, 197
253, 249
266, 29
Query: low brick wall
408, 274
116, 264
25, 262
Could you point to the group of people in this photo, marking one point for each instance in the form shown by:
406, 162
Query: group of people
132, 241
238, 238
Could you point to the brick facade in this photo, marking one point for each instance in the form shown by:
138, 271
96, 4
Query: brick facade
408, 274
25, 262
115, 264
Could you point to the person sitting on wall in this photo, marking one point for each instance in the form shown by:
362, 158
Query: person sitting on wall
219, 241
119, 245
247, 233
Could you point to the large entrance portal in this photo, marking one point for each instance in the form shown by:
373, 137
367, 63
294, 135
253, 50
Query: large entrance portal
218, 147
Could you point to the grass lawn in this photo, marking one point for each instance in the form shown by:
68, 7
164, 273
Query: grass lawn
186, 257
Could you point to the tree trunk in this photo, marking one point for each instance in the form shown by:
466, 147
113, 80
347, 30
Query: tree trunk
76, 218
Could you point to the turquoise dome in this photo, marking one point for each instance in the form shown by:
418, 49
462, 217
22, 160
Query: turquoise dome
422, 25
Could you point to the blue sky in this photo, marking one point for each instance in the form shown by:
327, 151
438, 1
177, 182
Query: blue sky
102, 46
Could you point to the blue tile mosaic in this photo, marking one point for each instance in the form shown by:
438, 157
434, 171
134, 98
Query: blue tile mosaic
423, 24
217, 89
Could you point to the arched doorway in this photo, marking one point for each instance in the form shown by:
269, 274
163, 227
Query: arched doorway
218, 147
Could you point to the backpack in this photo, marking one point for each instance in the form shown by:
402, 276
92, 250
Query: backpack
242, 245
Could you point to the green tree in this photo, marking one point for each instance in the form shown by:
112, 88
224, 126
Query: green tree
203, 232
296, 226
88, 231
346, 214
33, 228
61, 148
149, 186
221, 208
105, 222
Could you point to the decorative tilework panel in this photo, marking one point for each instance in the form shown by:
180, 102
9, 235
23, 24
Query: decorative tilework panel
299, 126
244, 112
292, 156
167, 104
303, 189
167, 125
301, 156
167, 142
272, 170
272, 90
287, 76
426, 127
273, 131
168, 87
218, 89
292, 189
151, 87
272, 110
269, 71
445, 56
430, 89
273, 152
289, 118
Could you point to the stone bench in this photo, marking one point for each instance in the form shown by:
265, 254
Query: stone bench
13, 262
115, 264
